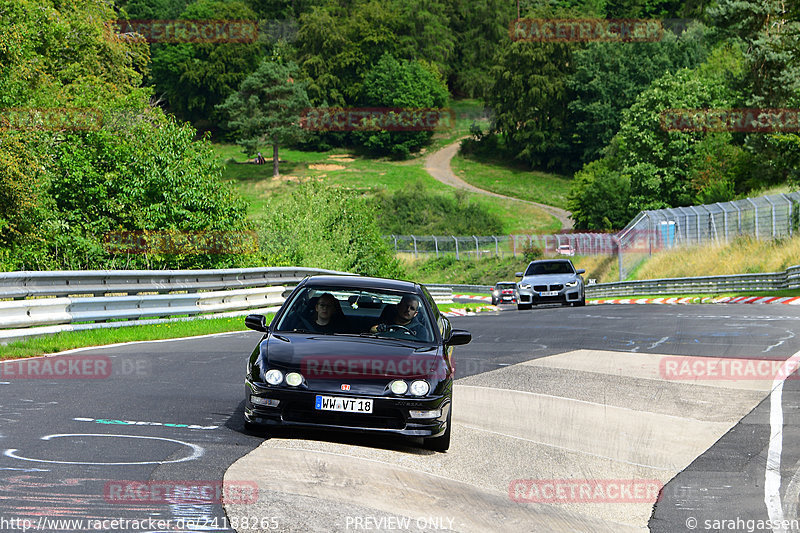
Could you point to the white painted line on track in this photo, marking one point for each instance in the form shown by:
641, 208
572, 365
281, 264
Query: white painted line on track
197, 451
772, 475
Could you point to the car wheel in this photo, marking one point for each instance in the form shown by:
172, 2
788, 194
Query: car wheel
522, 307
494, 301
441, 443
580, 303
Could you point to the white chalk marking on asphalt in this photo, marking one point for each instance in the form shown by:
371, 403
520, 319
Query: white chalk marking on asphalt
111, 421
772, 474
661, 341
197, 451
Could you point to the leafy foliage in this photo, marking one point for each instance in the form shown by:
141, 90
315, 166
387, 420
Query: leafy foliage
402, 84
433, 214
326, 228
266, 108
608, 78
196, 77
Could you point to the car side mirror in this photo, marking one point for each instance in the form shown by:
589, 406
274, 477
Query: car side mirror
458, 337
518, 274
580, 271
256, 322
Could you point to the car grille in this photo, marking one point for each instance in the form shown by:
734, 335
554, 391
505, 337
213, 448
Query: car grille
379, 419
544, 288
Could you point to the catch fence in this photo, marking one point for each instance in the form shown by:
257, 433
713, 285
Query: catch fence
765, 217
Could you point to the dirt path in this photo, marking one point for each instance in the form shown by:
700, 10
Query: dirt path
438, 165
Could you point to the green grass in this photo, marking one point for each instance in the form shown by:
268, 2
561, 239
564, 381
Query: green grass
759, 294
515, 181
256, 184
97, 337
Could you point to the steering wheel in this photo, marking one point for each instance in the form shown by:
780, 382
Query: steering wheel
398, 327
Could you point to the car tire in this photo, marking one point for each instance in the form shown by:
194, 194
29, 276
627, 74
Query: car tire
494, 301
580, 303
441, 443
522, 307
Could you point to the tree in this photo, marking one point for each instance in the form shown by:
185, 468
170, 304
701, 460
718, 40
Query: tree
528, 96
609, 76
196, 77
400, 84
266, 109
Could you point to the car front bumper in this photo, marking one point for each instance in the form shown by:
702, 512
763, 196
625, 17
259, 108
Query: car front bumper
563, 296
390, 414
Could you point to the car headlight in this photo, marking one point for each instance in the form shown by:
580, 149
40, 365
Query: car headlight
398, 387
571, 283
294, 379
420, 388
524, 285
274, 377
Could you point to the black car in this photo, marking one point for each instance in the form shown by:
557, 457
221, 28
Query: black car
355, 353
504, 292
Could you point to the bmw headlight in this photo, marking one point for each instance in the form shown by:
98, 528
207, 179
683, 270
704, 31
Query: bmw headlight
524, 285
274, 377
572, 283
420, 388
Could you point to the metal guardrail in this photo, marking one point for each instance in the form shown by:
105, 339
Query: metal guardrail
125, 298
29, 284
770, 281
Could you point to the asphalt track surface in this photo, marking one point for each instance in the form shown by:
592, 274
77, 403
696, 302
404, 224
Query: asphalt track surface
547, 394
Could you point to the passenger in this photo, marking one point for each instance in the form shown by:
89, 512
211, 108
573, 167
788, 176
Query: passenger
328, 316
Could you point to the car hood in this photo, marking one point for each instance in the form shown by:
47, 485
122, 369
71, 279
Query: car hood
328, 357
549, 278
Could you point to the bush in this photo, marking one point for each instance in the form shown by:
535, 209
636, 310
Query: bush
328, 228
414, 210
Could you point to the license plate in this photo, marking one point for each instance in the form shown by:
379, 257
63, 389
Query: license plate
549, 293
346, 405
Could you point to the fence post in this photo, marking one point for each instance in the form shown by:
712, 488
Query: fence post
477, 249
436, 244
456, 239
619, 256
773, 214
496, 247
395, 243
755, 217
415, 246
513, 245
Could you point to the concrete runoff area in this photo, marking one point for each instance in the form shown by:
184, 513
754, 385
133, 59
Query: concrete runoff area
597, 415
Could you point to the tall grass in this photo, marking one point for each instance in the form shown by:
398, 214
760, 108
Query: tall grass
743, 255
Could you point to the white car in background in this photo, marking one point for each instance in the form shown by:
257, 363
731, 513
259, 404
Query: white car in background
566, 249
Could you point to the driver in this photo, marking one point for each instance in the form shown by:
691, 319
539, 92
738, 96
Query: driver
406, 314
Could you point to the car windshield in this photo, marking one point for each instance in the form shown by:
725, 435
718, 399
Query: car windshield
506, 285
355, 311
549, 267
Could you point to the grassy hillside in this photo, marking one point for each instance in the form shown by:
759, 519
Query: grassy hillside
340, 168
